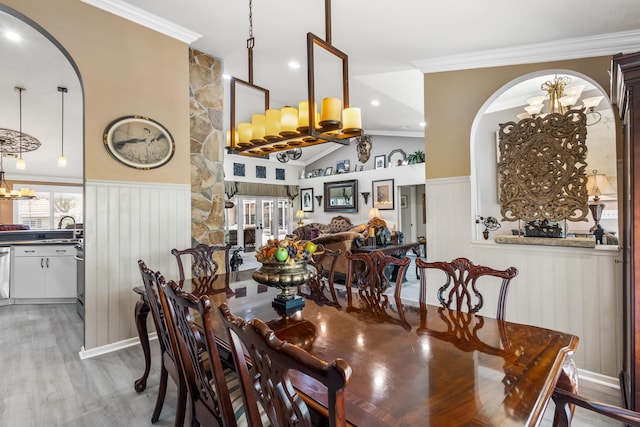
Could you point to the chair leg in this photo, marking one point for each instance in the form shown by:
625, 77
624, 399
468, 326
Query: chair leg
182, 403
162, 390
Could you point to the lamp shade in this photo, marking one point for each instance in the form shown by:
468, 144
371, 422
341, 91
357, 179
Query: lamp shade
300, 214
374, 213
598, 184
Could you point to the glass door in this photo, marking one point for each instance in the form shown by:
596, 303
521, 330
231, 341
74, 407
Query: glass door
261, 219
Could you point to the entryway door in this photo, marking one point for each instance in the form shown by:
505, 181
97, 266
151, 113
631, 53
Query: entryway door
261, 219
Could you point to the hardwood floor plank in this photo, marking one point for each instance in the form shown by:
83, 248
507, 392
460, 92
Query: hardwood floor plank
44, 382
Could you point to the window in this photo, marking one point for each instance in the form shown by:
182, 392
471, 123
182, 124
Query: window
52, 203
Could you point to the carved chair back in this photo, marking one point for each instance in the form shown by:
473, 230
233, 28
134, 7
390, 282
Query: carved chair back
460, 290
369, 273
267, 379
203, 266
324, 260
170, 364
201, 364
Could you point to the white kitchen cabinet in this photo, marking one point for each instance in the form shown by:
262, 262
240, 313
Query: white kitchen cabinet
45, 271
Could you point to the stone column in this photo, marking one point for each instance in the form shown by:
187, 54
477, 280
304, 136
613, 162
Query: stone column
207, 143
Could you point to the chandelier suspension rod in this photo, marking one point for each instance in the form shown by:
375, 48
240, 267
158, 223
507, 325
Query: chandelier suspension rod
327, 21
250, 42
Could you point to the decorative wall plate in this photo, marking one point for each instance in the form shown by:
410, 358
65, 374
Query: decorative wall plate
139, 142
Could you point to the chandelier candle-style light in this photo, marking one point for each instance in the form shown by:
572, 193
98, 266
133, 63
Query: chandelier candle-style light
273, 130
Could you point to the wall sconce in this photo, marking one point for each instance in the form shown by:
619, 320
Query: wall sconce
319, 199
365, 196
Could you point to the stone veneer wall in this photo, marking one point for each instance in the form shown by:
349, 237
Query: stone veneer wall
207, 144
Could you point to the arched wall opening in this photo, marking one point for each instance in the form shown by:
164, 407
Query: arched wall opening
503, 106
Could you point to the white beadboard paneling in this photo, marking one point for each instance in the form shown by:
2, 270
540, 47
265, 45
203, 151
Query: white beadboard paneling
125, 222
575, 290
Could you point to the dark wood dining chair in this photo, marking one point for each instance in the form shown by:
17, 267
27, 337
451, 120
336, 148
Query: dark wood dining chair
204, 267
564, 399
169, 364
266, 380
324, 261
369, 273
460, 291
214, 393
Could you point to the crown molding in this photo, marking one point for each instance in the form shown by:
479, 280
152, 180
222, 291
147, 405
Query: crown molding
146, 19
574, 48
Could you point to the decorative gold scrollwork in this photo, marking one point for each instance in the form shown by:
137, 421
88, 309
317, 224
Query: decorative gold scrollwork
541, 169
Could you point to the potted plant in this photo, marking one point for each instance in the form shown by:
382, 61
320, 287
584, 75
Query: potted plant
417, 157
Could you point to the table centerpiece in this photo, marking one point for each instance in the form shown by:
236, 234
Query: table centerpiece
285, 265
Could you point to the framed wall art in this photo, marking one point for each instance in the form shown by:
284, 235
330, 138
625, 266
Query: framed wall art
341, 196
280, 174
238, 169
343, 166
380, 162
328, 171
261, 171
383, 194
306, 199
139, 142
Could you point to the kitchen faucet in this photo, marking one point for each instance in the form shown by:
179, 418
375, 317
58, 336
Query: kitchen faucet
74, 224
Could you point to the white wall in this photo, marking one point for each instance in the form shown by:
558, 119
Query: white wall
402, 175
575, 290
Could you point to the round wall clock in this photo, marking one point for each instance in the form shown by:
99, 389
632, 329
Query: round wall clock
139, 142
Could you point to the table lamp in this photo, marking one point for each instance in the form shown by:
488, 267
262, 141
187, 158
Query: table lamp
300, 216
597, 185
374, 213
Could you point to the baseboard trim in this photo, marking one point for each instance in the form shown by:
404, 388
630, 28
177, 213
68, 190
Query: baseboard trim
597, 378
110, 348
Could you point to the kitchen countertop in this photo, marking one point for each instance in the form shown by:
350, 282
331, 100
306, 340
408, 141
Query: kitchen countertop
41, 242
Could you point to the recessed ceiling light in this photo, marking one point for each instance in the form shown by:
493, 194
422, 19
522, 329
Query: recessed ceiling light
375, 102
404, 127
294, 65
423, 124
13, 36
226, 76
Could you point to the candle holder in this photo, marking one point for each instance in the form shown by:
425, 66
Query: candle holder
365, 196
319, 199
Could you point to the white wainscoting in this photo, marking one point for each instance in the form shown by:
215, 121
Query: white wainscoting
125, 222
575, 290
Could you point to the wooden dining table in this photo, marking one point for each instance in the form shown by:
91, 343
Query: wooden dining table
448, 368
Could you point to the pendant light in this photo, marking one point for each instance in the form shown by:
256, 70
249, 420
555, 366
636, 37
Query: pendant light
20, 163
62, 160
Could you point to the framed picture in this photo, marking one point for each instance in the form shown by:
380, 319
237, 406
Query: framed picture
280, 174
238, 169
403, 201
139, 142
261, 171
328, 171
383, 194
306, 199
341, 196
396, 157
343, 166
380, 162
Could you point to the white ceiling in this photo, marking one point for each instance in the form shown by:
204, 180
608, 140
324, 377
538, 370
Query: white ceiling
389, 48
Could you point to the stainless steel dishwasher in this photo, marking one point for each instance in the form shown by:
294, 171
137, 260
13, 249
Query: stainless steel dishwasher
5, 271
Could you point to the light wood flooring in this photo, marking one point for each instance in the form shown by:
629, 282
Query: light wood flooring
44, 383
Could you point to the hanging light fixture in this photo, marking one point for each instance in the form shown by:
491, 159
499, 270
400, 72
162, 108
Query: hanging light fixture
20, 163
6, 193
62, 160
290, 127
562, 98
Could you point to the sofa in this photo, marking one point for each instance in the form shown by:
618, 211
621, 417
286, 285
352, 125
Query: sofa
339, 234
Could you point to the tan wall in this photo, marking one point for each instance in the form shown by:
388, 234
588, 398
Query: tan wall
452, 100
126, 69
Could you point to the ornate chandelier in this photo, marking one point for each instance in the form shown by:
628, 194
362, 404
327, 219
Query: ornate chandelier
273, 130
562, 98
